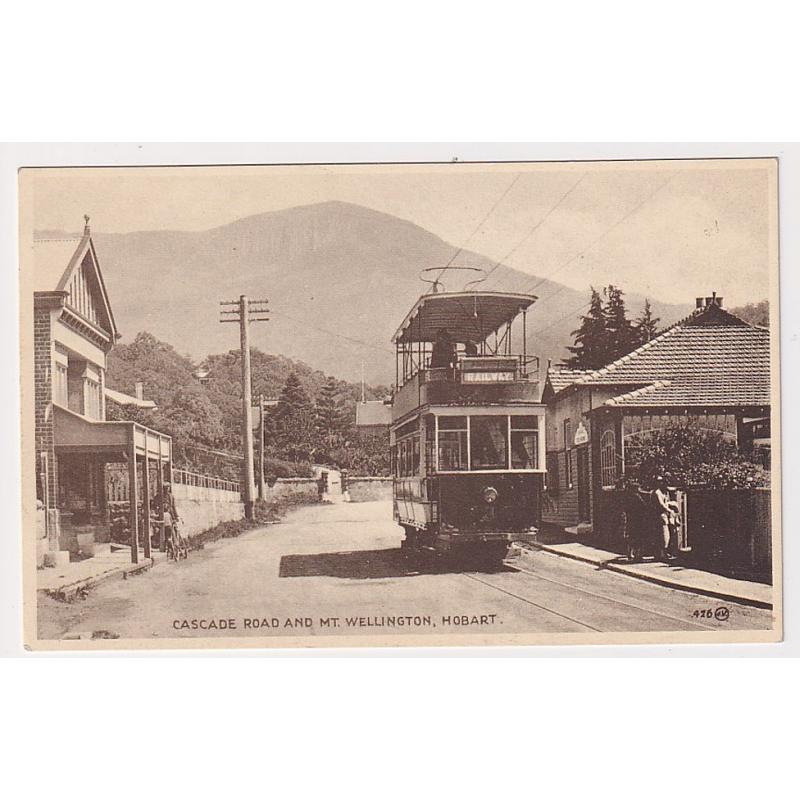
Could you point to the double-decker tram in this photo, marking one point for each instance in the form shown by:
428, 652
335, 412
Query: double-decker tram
467, 430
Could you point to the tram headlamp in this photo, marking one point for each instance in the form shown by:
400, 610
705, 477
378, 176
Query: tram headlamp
489, 495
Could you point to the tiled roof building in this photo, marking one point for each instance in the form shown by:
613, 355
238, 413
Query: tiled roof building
711, 358
711, 370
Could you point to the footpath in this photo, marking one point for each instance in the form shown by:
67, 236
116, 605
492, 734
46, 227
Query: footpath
673, 576
66, 582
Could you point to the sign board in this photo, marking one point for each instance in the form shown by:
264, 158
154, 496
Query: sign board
581, 434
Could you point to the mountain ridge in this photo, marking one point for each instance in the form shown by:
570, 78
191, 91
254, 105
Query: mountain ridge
318, 264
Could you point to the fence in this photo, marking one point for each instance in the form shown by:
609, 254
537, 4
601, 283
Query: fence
730, 530
186, 478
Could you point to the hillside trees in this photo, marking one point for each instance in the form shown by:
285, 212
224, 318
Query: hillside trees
314, 419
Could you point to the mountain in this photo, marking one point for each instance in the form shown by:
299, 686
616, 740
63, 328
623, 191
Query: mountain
339, 278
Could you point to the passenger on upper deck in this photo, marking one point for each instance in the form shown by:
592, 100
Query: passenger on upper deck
444, 350
470, 349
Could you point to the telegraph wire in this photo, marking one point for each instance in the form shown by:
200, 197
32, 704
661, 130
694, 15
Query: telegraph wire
350, 339
480, 225
536, 226
627, 215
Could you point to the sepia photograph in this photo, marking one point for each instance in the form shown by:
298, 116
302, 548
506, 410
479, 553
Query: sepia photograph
422, 404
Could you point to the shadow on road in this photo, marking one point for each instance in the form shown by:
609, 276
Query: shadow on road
370, 564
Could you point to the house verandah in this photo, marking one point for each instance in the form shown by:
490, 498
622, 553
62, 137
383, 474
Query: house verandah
82, 460
112, 484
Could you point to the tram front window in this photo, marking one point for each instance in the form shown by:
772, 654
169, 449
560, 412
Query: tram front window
489, 442
524, 442
453, 443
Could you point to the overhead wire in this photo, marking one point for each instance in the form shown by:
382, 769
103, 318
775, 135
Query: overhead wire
480, 225
627, 215
327, 332
535, 227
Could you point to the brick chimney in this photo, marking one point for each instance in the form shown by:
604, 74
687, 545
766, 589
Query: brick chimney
705, 302
139, 390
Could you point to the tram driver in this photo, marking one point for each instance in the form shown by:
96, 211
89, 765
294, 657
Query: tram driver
444, 350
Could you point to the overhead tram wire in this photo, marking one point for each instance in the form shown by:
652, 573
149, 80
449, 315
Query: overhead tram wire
480, 225
350, 339
627, 215
535, 227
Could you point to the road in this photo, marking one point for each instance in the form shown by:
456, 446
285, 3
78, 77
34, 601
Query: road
337, 569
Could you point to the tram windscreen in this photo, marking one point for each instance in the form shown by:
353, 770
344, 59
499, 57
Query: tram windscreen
489, 442
524, 442
453, 444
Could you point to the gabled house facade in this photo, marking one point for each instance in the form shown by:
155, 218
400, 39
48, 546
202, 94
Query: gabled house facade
74, 330
711, 370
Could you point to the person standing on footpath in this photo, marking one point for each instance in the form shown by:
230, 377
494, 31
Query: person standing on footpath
665, 511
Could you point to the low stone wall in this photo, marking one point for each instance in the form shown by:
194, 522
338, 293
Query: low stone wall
302, 488
200, 508
364, 489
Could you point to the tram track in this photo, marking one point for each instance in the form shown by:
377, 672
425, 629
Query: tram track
686, 624
530, 602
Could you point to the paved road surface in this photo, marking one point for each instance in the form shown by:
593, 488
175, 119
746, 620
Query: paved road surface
343, 561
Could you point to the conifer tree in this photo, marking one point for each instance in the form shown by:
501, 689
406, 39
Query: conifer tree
646, 325
590, 350
620, 335
328, 414
293, 421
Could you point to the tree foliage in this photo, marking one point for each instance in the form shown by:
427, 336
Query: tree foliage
645, 327
590, 350
206, 417
754, 313
606, 334
693, 458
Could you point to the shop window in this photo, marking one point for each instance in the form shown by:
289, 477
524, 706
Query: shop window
608, 459
92, 399
60, 394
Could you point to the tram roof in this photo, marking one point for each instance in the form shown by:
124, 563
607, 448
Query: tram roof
465, 315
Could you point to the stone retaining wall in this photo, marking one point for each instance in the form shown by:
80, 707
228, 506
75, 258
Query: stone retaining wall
200, 508
363, 489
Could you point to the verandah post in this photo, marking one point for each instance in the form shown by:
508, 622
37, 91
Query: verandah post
133, 497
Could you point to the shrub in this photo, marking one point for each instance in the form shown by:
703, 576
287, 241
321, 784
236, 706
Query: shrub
694, 458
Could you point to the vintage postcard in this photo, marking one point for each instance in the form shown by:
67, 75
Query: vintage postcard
384, 404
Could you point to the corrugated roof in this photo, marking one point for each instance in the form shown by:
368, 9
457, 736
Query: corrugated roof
52, 258
127, 399
373, 412
710, 358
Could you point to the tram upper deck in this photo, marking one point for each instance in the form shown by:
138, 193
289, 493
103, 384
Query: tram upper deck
460, 348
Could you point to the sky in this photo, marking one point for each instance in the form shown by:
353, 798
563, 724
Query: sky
672, 229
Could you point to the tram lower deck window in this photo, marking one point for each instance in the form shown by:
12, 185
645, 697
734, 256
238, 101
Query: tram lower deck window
453, 444
489, 442
524, 442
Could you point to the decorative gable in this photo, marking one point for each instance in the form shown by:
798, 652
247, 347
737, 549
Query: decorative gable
69, 269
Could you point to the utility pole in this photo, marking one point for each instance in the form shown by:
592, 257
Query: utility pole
261, 447
244, 311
